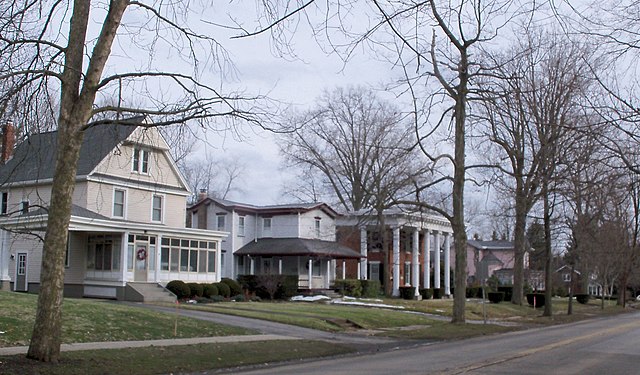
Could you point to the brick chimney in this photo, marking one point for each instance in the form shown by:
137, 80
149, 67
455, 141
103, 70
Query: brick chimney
8, 141
202, 194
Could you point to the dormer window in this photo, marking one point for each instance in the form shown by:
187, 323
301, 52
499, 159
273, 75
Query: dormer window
140, 162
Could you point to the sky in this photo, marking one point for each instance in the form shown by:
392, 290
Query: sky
294, 80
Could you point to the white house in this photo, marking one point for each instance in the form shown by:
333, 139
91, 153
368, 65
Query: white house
127, 230
291, 239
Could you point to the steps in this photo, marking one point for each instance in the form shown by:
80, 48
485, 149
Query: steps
149, 292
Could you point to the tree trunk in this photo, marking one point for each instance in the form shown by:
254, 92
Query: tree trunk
519, 244
548, 272
459, 230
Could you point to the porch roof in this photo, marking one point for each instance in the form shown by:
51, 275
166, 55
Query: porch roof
297, 246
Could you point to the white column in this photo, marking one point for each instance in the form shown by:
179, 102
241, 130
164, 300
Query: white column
396, 262
280, 266
436, 261
252, 265
124, 259
5, 259
344, 271
427, 259
219, 262
362, 272
310, 272
447, 264
327, 283
415, 262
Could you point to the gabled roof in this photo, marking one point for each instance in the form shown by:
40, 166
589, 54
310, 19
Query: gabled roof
490, 258
500, 245
297, 246
266, 210
34, 158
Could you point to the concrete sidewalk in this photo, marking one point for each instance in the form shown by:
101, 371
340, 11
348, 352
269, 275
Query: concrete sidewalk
147, 343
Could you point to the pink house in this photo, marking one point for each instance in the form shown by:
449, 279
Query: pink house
487, 258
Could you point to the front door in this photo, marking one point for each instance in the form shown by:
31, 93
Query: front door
142, 261
21, 273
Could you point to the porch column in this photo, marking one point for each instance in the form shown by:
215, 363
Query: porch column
436, 261
5, 260
415, 262
427, 258
362, 275
219, 261
310, 271
344, 271
280, 266
124, 258
252, 266
327, 283
157, 259
447, 264
396, 262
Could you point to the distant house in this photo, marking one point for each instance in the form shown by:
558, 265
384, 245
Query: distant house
127, 231
289, 239
418, 249
489, 258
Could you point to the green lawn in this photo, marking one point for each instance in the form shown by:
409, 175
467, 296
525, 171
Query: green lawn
86, 320
174, 359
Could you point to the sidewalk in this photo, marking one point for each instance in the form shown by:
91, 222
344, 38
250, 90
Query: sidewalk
140, 344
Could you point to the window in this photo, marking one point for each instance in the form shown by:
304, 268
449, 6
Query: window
118, 202
156, 211
103, 253
566, 277
178, 255
317, 227
140, 162
5, 203
240, 225
24, 206
266, 227
407, 273
220, 222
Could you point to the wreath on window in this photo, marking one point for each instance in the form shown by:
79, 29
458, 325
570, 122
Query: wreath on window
141, 254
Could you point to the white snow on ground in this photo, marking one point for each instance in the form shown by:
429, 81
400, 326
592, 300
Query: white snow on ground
358, 303
309, 298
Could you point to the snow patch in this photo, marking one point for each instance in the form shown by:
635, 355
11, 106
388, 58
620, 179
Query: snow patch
309, 298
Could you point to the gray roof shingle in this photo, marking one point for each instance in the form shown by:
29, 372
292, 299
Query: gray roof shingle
296, 246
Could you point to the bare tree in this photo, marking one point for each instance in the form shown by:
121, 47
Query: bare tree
532, 107
217, 177
39, 57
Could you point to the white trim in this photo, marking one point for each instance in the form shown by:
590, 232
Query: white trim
124, 202
163, 201
137, 185
142, 151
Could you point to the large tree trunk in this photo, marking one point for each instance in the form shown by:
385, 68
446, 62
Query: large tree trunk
459, 230
519, 245
78, 93
548, 272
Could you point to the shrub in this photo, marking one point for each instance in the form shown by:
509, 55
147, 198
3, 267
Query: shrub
370, 288
288, 287
496, 297
179, 288
472, 292
217, 298
349, 287
196, 289
223, 290
426, 293
209, 290
238, 298
234, 286
407, 292
508, 292
582, 298
539, 299
248, 282
438, 293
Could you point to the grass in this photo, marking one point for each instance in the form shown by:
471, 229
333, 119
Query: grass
175, 359
87, 320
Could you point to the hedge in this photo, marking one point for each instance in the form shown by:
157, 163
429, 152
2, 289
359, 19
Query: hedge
349, 287
223, 290
371, 288
496, 297
209, 290
438, 293
196, 289
287, 288
508, 292
179, 288
407, 292
426, 293
539, 297
233, 285
582, 298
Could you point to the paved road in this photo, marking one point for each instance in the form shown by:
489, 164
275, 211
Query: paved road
602, 346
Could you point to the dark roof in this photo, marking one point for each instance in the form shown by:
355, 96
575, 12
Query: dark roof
297, 246
34, 158
270, 209
75, 211
491, 245
490, 258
